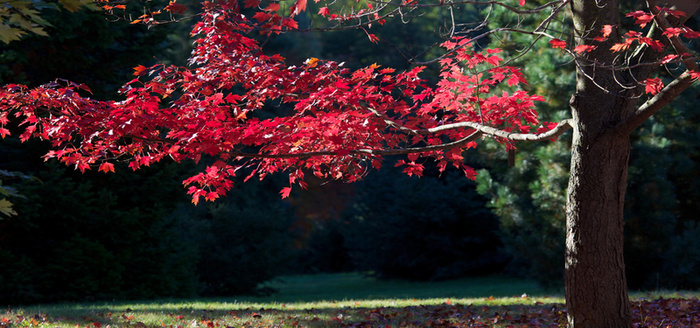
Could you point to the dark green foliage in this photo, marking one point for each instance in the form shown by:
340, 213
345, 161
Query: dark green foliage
91, 236
422, 229
530, 197
663, 184
682, 259
85, 47
117, 236
530, 201
327, 250
661, 207
95, 236
239, 241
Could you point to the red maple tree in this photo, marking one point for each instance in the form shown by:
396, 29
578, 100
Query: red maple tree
338, 123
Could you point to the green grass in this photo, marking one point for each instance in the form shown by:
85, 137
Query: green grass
339, 287
326, 300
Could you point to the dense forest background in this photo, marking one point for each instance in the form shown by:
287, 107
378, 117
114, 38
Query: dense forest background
135, 235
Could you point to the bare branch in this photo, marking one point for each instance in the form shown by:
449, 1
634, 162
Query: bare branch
558, 130
473, 2
653, 105
539, 32
481, 129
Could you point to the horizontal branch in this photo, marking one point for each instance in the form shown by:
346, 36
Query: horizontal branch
481, 129
558, 130
471, 2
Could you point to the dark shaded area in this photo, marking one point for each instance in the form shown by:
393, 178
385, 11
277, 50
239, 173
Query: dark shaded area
432, 228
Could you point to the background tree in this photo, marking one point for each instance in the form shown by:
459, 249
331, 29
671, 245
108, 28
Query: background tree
344, 121
21, 17
435, 228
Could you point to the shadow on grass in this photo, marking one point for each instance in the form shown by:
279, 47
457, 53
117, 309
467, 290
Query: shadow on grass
349, 286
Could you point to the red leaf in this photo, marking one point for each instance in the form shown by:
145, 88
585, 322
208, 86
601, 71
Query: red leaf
641, 18
654, 44
606, 30
140, 70
676, 13
373, 38
323, 11
290, 23
4, 132
211, 196
668, 58
175, 8
619, 47
672, 31
583, 48
106, 167
342, 85
653, 86
285, 192
298, 7
691, 34
82, 166
262, 16
556, 43
233, 98
694, 75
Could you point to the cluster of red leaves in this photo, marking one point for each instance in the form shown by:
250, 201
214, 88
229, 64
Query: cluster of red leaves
642, 18
646, 314
333, 122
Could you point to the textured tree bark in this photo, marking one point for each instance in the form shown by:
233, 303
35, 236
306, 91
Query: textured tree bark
596, 286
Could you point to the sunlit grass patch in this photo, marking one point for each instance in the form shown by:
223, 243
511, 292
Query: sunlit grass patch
359, 313
353, 300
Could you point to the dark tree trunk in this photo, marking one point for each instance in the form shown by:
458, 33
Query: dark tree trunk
603, 115
596, 287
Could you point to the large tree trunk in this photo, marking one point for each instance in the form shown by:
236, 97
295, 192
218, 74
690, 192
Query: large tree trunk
596, 287
603, 115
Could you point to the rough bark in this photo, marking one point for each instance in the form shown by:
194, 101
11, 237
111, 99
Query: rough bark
596, 286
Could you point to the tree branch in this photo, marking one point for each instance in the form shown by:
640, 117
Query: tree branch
558, 130
672, 90
481, 129
653, 105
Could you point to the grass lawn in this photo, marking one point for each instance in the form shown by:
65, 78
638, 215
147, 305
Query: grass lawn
354, 300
